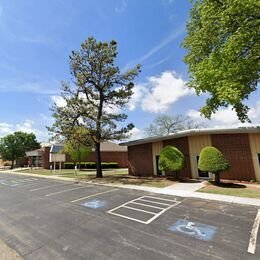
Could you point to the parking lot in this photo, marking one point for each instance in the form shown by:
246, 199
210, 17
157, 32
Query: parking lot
50, 219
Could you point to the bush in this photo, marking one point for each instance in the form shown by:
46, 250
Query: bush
7, 163
212, 160
171, 159
90, 165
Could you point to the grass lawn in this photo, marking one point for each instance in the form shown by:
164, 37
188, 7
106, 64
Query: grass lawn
233, 189
110, 176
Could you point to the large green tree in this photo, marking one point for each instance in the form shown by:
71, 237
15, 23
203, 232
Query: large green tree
15, 145
96, 96
223, 44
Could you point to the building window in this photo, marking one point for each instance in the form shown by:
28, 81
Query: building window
258, 158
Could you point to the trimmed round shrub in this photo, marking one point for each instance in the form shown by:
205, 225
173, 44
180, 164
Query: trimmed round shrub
171, 159
212, 160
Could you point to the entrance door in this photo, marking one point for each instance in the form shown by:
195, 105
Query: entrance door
201, 174
158, 171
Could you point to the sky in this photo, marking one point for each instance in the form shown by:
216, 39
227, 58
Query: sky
37, 37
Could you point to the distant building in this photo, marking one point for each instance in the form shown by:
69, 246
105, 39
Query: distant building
110, 152
241, 146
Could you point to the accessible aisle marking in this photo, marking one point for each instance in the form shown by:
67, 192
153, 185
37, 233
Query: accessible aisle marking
149, 202
253, 236
93, 195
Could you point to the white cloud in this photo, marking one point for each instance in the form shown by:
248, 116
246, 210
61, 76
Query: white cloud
28, 126
18, 85
167, 40
136, 133
59, 101
226, 117
159, 93
5, 128
121, 8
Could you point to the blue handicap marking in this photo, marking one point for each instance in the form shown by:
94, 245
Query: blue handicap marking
94, 204
196, 230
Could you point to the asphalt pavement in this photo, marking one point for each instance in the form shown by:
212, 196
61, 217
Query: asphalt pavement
51, 219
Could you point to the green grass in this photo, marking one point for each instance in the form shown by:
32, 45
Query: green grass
110, 176
231, 189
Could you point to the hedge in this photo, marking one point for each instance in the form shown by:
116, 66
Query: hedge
90, 165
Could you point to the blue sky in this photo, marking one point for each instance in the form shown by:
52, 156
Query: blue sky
37, 37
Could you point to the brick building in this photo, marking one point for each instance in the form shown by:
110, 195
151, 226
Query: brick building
241, 146
110, 152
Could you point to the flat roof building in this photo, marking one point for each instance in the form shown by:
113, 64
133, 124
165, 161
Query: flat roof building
241, 146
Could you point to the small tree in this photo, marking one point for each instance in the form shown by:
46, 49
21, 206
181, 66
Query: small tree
171, 159
15, 145
77, 151
212, 160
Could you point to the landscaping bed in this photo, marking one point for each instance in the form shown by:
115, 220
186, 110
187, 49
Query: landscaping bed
233, 189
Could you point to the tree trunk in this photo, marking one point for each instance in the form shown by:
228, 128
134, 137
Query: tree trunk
12, 166
217, 178
98, 161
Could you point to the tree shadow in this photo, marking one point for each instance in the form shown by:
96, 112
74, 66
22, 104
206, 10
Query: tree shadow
229, 185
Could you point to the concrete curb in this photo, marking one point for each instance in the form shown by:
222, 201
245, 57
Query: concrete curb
165, 191
7, 253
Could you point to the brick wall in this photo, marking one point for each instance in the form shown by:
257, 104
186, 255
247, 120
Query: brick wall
183, 145
119, 157
236, 148
140, 160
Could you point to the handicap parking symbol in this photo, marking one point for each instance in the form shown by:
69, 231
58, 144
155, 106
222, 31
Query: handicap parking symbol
94, 204
196, 230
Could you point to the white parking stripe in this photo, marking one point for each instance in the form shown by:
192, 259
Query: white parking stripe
160, 198
46, 187
134, 202
141, 210
253, 236
93, 195
155, 202
143, 200
58, 192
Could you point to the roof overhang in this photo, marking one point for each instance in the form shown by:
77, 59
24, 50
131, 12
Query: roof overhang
192, 132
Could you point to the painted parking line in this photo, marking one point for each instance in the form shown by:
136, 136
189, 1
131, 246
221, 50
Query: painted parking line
253, 236
93, 195
61, 191
48, 186
145, 201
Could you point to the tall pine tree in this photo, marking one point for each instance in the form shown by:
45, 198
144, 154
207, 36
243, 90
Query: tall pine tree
95, 97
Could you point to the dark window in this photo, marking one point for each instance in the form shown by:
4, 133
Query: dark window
158, 171
202, 174
258, 158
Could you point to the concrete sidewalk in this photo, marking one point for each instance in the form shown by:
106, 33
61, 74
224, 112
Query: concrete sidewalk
179, 189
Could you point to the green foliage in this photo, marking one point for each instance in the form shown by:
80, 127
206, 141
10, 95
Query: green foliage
15, 145
212, 160
91, 165
223, 44
171, 159
165, 125
76, 151
98, 92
